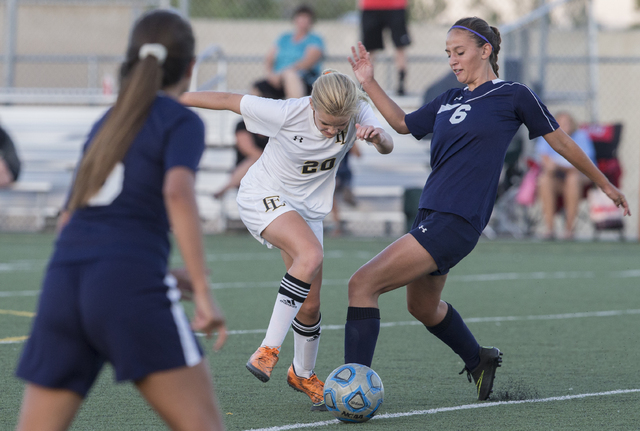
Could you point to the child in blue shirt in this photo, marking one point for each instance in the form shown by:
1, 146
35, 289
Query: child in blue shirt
294, 63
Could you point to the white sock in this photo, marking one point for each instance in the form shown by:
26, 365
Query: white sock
306, 343
290, 297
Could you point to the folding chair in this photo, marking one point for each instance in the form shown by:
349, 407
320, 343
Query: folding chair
606, 139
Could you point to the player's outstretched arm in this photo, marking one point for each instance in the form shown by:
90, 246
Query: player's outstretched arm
212, 100
377, 136
567, 148
360, 61
180, 200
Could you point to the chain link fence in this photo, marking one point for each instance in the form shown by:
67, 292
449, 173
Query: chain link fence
68, 52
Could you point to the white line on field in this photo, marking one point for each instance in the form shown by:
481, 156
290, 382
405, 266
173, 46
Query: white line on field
472, 278
9, 293
20, 265
328, 254
476, 320
454, 408
608, 313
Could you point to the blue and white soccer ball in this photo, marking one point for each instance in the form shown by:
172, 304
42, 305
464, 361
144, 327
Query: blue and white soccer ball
353, 393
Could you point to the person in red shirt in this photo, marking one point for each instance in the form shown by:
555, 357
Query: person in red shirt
378, 15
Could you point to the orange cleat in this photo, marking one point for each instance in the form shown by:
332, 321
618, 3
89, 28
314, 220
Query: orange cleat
313, 387
261, 363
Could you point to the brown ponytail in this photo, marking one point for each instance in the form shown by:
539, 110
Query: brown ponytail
125, 120
140, 81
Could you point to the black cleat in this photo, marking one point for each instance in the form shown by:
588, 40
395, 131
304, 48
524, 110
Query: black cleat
485, 372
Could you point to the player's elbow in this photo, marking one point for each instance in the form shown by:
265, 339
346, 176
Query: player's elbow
178, 185
400, 126
386, 147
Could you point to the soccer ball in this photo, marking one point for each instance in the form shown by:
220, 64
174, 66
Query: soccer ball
353, 393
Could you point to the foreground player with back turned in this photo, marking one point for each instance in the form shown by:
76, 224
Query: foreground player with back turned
104, 295
285, 196
472, 128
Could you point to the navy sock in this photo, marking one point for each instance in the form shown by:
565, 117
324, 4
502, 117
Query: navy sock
454, 333
360, 335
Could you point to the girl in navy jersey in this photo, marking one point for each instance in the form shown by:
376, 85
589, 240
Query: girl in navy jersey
472, 128
105, 296
287, 193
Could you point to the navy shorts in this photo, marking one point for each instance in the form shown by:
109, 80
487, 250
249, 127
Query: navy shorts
447, 237
115, 310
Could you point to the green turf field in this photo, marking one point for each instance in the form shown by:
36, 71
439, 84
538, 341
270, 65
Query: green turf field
566, 316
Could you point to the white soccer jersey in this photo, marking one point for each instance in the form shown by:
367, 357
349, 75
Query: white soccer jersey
299, 162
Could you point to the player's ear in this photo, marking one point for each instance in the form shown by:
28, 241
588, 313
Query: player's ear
311, 104
487, 49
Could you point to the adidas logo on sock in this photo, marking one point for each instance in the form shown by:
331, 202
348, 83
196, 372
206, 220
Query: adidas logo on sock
289, 302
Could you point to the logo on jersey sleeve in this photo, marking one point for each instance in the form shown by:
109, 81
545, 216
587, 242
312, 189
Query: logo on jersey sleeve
447, 107
271, 203
311, 166
297, 138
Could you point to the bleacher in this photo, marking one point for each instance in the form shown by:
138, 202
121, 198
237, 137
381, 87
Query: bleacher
49, 139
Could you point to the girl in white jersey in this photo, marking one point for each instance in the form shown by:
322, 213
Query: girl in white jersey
285, 196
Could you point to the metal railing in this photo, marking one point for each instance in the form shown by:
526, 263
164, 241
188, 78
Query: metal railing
212, 53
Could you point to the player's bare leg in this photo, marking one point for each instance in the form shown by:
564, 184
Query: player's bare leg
291, 234
299, 245
547, 185
306, 332
442, 320
397, 265
423, 299
184, 398
292, 84
46, 409
572, 192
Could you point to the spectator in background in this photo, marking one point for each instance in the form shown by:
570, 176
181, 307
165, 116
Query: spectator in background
249, 147
9, 161
293, 64
378, 15
343, 190
558, 177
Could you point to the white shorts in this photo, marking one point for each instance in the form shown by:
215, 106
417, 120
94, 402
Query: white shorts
258, 210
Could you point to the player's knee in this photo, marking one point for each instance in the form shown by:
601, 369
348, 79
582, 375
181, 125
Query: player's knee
417, 311
425, 312
311, 261
358, 286
310, 309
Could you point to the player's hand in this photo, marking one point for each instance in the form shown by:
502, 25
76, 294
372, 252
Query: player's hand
183, 283
367, 133
360, 61
208, 318
617, 197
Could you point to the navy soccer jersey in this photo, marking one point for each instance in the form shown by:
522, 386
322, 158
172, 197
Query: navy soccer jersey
131, 220
471, 133
105, 295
